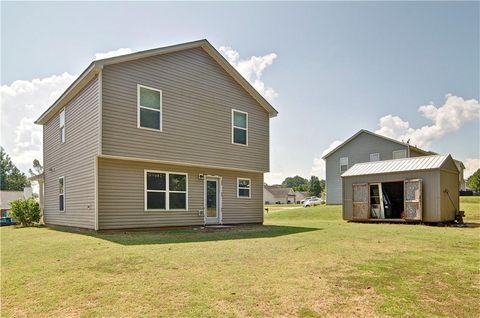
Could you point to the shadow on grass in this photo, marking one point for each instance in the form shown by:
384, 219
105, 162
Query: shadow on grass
196, 234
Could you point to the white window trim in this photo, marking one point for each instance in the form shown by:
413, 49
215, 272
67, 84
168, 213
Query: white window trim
398, 151
167, 190
233, 127
62, 126
343, 165
63, 193
159, 110
249, 188
376, 153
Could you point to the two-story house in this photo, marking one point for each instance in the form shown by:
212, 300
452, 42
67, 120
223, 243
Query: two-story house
173, 136
365, 146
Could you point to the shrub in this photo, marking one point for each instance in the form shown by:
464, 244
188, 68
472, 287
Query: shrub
25, 211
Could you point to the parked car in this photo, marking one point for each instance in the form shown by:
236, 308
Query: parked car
306, 199
313, 202
6, 220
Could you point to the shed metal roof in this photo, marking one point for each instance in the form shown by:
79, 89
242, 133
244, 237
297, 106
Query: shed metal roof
397, 165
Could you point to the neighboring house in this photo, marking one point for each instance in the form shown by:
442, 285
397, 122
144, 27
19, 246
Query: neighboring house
299, 196
461, 179
8, 196
364, 146
275, 194
173, 136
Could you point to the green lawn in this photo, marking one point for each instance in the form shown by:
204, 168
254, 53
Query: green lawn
303, 263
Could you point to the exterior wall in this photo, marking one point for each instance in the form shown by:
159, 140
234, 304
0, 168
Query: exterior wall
431, 196
198, 98
121, 196
357, 150
268, 196
449, 181
74, 159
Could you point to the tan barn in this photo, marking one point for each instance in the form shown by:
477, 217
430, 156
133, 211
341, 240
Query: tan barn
422, 189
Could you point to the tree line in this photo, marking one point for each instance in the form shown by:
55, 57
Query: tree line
314, 186
11, 178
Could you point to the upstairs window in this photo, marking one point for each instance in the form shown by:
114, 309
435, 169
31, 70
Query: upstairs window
343, 164
61, 194
243, 187
239, 127
62, 126
399, 154
149, 104
165, 191
374, 157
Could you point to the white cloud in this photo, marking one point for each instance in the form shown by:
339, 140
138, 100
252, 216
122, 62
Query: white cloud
121, 51
471, 165
274, 178
445, 119
252, 69
21, 103
318, 168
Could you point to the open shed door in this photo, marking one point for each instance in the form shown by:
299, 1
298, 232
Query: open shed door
360, 201
413, 199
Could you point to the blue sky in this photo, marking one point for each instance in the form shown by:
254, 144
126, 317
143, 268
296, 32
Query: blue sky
339, 67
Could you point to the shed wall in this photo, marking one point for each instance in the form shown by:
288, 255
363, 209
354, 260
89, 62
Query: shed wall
430, 195
450, 182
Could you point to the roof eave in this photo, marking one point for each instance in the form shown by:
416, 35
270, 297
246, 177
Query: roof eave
74, 88
97, 65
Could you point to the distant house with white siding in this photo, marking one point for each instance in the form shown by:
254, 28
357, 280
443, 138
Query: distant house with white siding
276, 194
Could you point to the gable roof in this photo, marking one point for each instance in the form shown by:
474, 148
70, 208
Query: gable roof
398, 165
280, 192
364, 131
96, 66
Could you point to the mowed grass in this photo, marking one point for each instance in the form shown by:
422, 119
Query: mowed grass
303, 263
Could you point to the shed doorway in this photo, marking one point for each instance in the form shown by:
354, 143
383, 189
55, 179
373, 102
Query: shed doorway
387, 200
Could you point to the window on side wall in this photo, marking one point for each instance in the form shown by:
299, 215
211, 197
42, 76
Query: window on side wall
239, 127
165, 191
243, 188
61, 194
149, 104
343, 164
374, 157
399, 154
62, 126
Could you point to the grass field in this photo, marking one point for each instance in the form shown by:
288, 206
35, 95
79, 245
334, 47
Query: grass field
303, 263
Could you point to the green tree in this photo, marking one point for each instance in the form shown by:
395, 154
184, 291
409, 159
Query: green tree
297, 183
10, 177
473, 182
37, 168
314, 187
25, 211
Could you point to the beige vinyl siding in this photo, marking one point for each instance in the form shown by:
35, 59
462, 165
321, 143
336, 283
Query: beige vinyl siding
121, 196
74, 160
197, 101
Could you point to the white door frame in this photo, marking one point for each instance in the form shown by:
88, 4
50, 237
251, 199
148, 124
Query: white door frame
218, 219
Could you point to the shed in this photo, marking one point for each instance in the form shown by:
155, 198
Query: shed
422, 189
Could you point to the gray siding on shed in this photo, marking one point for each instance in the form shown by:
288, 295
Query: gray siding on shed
121, 196
198, 97
357, 150
74, 159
